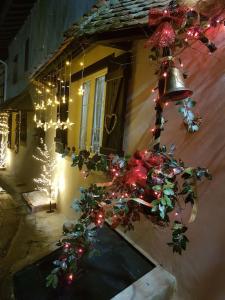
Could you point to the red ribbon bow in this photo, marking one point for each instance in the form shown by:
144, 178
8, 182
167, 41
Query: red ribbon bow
166, 22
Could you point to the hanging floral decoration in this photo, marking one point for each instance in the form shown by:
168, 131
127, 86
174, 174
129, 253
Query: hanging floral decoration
166, 22
150, 183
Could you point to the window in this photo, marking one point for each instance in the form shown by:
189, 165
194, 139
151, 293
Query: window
98, 117
98, 114
26, 55
15, 69
84, 115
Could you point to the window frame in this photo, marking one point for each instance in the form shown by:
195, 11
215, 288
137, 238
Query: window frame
102, 115
75, 110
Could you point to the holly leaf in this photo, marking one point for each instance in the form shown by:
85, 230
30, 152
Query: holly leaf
194, 128
162, 211
157, 188
52, 280
168, 201
190, 103
168, 192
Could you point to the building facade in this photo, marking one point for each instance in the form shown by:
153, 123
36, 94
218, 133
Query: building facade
102, 84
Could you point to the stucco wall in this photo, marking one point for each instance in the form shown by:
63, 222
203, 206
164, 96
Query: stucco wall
200, 271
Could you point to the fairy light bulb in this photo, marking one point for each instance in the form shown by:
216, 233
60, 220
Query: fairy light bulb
64, 99
56, 101
35, 118
67, 63
81, 91
70, 100
81, 64
45, 126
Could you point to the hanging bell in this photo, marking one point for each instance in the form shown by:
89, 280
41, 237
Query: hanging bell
171, 86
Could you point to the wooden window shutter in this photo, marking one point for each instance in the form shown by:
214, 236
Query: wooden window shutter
115, 104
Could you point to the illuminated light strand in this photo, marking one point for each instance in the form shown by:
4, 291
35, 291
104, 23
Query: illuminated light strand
46, 181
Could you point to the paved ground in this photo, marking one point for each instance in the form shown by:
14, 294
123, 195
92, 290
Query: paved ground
24, 237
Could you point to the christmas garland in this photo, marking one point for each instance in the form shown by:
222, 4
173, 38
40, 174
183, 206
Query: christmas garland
150, 183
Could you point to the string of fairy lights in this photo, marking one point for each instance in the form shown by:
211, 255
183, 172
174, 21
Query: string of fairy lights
51, 95
4, 130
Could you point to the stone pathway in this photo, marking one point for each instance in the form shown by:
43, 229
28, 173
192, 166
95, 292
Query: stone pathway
24, 237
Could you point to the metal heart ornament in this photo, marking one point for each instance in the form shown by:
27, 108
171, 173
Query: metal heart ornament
110, 123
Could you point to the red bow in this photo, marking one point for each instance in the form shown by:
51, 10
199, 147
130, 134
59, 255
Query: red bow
166, 22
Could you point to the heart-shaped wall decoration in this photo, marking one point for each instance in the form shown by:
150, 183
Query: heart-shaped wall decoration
110, 123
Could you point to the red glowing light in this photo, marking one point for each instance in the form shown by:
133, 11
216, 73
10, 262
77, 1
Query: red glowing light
66, 245
80, 250
196, 34
153, 130
164, 74
167, 103
100, 216
70, 277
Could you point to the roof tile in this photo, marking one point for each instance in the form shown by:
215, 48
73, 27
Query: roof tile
115, 14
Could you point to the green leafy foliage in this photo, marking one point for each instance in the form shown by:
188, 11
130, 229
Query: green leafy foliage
191, 121
52, 279
150, 183
179, 239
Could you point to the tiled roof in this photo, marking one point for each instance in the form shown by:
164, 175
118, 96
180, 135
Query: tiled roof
113, 15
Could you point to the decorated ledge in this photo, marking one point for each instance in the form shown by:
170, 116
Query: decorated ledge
157, 284
119, 268
38, 201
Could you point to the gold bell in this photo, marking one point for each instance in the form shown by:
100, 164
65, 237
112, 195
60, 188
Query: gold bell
171, 86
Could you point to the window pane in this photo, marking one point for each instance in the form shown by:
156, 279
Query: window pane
98, 113
84, 115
